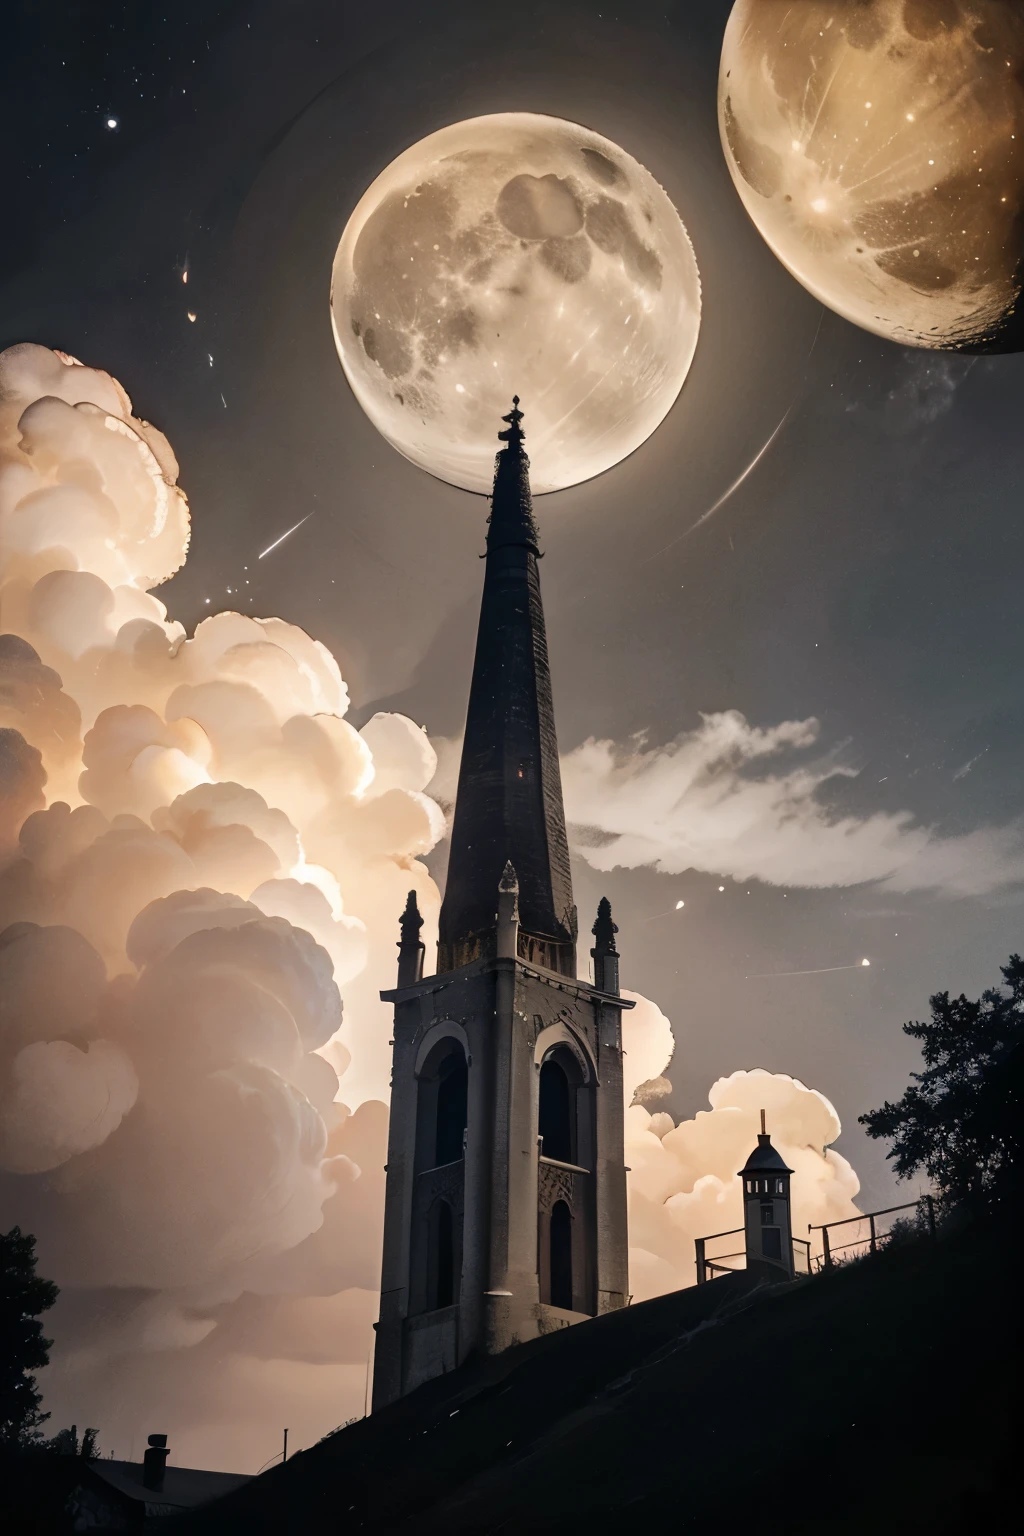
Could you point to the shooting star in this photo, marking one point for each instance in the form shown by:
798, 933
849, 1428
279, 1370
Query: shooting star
271, 547
755, 461
667, 913
725, 494
825, 971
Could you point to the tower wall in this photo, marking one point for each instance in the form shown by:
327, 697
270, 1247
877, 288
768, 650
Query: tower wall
509, 1018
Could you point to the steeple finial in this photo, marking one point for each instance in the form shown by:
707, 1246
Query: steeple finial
509, 879
604, 930
411, 921
515, 433
410, 945
511, 520
604, 954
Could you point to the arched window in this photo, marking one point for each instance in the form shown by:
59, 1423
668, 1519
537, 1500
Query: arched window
441, 1106
561, 1256
556, 1121
438, 1195
441, 1257
452, 1091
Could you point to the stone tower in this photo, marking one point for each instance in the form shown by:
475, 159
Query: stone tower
505, 1214
767, 1226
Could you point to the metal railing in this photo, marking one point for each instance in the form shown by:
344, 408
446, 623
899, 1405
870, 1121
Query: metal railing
869, 1244
798, 1244
804, 1262
707, 1268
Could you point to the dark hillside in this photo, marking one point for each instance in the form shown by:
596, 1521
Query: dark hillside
874, 1398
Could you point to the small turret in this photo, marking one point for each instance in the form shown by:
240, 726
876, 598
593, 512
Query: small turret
410, 946
604, 954
766, 1211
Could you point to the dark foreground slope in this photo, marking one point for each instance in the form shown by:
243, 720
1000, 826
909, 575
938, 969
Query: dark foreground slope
875, 1398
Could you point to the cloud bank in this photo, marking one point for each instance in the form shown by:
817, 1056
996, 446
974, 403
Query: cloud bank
684, 1178
196, 852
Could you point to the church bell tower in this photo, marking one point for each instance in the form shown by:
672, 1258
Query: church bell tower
505, 1213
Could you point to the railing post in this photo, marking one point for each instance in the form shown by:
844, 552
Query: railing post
873, 1245
826, 1253
929, 1205
702, 1268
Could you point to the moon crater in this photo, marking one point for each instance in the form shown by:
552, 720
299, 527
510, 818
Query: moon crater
515, 254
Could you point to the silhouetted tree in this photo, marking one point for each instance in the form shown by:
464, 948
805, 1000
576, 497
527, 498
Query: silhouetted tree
23, 1295
66, 1443
961, 1118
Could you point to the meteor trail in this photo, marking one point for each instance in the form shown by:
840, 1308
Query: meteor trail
755, 461
825, 971
284, 536
740, 478
725, 494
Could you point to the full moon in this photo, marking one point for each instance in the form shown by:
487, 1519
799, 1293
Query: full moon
879, 149
515, 254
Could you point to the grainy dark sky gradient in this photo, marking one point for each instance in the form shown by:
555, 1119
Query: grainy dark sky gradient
866, 573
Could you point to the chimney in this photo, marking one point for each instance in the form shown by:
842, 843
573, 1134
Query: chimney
154, 1463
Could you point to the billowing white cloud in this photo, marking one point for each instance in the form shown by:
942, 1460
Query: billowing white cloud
734, 799
61, 1101
684, 1178
196, 850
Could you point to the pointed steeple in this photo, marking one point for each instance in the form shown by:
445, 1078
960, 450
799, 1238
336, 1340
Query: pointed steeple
410, 945
604, 954
509, 801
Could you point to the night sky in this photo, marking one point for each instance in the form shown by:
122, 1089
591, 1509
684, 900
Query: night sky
865, 574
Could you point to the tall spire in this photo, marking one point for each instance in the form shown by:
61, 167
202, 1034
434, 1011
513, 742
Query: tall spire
509, 802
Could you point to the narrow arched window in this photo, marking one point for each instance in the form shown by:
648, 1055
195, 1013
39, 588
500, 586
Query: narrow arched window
452, 1094
556, 1113
561, 1256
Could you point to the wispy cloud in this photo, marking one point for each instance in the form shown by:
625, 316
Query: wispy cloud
735, 799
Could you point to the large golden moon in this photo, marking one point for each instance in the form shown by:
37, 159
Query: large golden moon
515, 254
879, 148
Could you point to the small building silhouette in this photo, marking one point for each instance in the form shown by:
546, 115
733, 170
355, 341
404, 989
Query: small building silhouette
131, 1496
768, 1229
